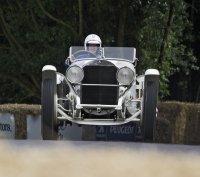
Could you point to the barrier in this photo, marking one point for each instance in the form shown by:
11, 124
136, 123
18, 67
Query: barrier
71, 132
34, 127
126, 132
177, 123
7, 126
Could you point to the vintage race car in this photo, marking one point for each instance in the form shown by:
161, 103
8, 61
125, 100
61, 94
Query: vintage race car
99, 90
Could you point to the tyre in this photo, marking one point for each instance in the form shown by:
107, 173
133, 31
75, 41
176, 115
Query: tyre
149, 107
49, 105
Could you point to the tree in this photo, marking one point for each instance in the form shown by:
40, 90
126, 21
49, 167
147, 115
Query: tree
34, 33
164, 46
32, 37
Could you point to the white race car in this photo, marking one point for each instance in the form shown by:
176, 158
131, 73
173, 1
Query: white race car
99, 90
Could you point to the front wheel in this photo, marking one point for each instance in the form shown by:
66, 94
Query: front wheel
149, 107
49, 105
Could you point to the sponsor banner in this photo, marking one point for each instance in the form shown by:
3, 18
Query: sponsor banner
126, 132
7, 126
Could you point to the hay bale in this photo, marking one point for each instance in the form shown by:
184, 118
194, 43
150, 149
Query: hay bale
184, 121
175, 113
177, 122
192, 130
20, 112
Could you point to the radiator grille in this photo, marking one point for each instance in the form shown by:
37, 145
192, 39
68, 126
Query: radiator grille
99, 94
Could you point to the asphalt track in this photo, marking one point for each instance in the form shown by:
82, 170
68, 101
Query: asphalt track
37, 158
168, 148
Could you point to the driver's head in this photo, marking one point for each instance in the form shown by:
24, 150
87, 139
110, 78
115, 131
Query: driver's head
92, 43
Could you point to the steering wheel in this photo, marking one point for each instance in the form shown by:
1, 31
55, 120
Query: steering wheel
82, 52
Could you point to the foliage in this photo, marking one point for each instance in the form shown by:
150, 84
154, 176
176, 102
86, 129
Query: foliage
177, 55
34, 33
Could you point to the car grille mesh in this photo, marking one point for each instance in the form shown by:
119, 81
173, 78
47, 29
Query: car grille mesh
99, 94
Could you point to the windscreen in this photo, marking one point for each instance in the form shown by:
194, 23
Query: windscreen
117, 53
127, 53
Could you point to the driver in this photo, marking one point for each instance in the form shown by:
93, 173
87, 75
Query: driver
92, 44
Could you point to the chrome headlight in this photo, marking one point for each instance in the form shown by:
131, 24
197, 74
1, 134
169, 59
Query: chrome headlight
75, 74
125, 75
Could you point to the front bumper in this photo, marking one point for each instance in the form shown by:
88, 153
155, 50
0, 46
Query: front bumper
94, 121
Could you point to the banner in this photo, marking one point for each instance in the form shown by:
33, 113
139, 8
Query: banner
7, 126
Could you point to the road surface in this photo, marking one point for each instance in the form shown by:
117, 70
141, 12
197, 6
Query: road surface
39, 158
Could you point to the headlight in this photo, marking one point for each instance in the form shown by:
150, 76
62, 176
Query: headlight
125, 76
74, 74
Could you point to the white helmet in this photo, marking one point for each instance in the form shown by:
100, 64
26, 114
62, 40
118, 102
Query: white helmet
92, 39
